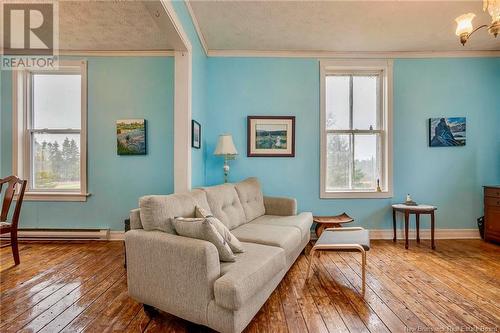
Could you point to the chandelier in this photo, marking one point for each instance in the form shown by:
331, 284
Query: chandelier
464, 22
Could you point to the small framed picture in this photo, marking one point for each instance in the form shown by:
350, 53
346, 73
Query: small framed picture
195, 134
271, 136
131, 137
447, 132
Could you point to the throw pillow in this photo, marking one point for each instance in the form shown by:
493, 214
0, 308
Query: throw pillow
233, 242
202, 228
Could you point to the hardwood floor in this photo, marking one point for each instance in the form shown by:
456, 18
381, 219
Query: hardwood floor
82, 287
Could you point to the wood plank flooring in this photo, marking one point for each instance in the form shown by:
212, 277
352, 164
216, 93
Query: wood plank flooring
82, 287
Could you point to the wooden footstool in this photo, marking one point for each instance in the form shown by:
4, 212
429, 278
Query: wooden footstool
341, 239
336, 221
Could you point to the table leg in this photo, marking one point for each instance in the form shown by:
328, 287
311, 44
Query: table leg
394, 224
417, 217
407, 218
311, 256
432, 231
363, 271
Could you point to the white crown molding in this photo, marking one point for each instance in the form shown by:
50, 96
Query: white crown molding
353, 55
115, 53
197, 27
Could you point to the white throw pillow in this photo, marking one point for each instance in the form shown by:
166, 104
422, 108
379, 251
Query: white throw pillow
202, 228
234, 243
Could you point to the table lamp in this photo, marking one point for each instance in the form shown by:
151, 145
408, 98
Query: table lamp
226, 148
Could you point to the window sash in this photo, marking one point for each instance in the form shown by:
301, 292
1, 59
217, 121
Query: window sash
380, 156
352, 132
31, 130
364, 67
32, 156
379, 102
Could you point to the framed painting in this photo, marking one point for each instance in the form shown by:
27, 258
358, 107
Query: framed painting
447, 132
131, 137
195, 134
271, 136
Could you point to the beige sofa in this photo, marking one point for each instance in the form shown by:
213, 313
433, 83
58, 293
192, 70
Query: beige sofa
184, 277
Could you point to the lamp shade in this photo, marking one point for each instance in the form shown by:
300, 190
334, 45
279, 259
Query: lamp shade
225, 145
464, 24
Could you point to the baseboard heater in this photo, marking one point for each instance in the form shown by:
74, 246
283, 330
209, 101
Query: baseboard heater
60, 234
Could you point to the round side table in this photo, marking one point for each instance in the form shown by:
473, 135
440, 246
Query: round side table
417, 210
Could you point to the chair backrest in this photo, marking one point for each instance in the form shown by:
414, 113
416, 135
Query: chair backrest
12, 183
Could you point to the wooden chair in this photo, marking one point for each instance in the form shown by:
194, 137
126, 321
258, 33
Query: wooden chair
11, 226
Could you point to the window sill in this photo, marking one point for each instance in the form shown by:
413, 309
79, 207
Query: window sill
55, 196
356, 195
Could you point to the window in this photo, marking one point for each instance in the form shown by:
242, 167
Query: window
356, 122
50, 119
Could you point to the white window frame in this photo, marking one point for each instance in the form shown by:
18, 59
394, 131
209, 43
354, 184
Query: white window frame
384, 69
22, 133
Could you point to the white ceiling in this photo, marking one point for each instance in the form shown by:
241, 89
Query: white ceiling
343, 26
115, 26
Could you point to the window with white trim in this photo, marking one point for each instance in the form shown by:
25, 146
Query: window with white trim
356, 138
50, 119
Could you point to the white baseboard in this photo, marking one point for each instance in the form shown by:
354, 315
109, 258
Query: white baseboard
424, 234
116, 235
110, 235
60, 234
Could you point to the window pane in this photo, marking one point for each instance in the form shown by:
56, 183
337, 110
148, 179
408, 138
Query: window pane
364, 95
56, 101
339, 161
56, 161
365, 162
337, 102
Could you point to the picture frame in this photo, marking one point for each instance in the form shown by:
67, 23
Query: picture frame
447, 132
131, 137
195, 134
271, 136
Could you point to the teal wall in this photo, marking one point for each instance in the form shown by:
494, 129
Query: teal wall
118, 87
199, 92
450, 178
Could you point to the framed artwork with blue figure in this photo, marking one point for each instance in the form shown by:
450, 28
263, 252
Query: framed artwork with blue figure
447, 132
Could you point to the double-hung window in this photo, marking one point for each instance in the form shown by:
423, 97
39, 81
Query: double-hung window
356, 142
50, 139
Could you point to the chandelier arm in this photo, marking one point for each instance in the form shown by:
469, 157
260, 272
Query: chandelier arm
480, 27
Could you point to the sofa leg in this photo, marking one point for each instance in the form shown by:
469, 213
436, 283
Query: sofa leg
150, 311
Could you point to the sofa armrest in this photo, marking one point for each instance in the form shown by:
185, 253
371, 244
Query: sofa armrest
172, 273
280, 206
135, 219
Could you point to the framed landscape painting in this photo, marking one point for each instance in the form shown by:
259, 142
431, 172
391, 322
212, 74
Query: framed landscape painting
270, 136
131, 137
447, 132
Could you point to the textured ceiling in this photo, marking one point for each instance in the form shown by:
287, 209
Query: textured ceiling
339, 25
112, 25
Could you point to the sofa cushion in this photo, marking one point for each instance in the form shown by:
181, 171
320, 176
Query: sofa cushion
225, 205
158, 211
204, 228
231, 239
287, 238
303, 221
251, 198
250, 273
